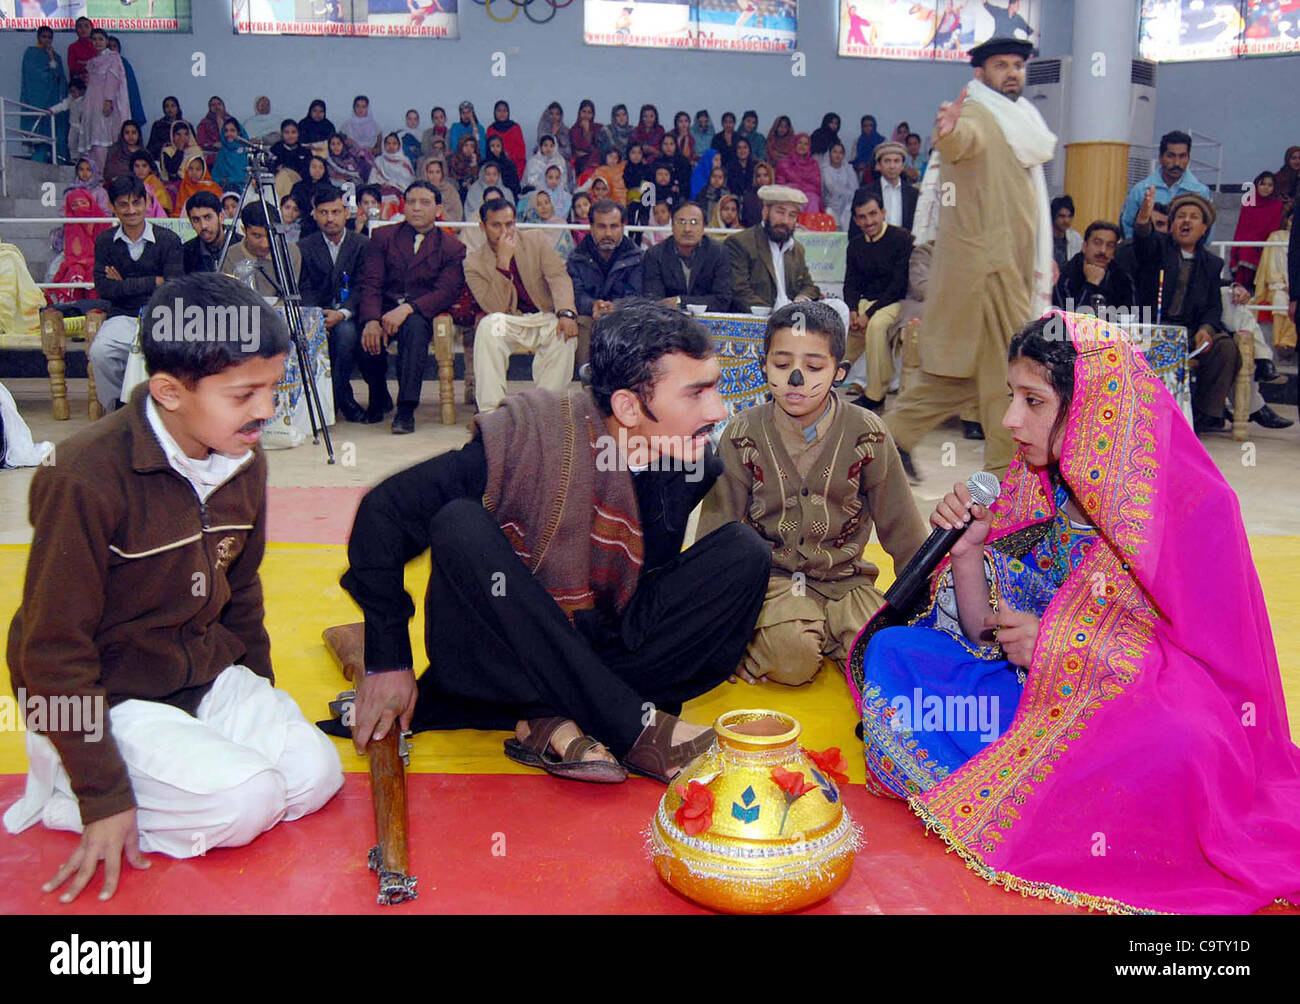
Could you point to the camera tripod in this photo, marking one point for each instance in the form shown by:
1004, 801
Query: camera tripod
261, 182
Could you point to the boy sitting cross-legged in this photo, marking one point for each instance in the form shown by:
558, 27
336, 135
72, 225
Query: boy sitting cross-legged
812, 474
142, 608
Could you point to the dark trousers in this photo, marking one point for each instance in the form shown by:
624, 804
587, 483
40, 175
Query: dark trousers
501, 649
347, 355
413, 340
1216, 369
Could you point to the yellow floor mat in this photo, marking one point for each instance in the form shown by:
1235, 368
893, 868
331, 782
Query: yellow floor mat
303, 597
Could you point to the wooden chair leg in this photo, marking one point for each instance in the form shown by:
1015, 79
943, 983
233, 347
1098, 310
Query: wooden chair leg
1243, 387
444, 334
93, 408
468, 341
52, 344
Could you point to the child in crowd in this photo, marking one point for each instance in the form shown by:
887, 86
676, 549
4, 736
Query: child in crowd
142, 607
812, 474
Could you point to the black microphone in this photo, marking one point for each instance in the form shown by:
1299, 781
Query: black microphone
984, 490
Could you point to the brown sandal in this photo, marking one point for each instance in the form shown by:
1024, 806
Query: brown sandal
535, 751
653, 754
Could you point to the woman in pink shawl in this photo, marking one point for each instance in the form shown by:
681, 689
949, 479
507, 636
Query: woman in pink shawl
800, 170
1145, 762
211, 129
107, 104
1257, 220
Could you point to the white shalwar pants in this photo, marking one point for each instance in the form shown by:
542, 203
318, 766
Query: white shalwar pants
246, 761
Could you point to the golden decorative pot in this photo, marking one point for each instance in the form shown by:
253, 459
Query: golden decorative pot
755, 825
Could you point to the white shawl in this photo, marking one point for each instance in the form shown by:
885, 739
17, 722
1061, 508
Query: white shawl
1034, 145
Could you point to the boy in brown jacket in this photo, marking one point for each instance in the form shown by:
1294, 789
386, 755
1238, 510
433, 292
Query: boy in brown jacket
139, 655
812, 473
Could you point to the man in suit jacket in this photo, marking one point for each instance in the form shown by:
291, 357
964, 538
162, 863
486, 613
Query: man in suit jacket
755, 281
521, 284
332, 259
897, 197
412, 273
689, 268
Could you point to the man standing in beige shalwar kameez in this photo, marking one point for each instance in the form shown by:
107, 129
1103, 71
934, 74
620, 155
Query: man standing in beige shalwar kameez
992, 270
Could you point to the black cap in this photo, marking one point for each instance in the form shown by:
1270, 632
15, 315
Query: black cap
1000, 47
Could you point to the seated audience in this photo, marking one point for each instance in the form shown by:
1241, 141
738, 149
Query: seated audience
1271, 284
1286, 180
520, 283
231, 167
261, 126
751, 206
726, 214
583, 135
748, 131
160, 132
915, 163
801, 170
195, 179
489, 177
839, 184
361, 128
1261, 215
1066, 241
210, 129
825, 135
160, 200
345, 166
438, 130
807, 437
434, 171
670, 156
512, 138
332, 261
685, 140
724, 141
740, 167
288, 154
409, 136
1091, 279
606, 268
689, 267
291, 218
117, 161
412, 273
1171, 178
711, 194
616, 135
175, 155
467, 126
875, 282
546, 157
315, 130
251, 257
648, 133
316, 179
552, 124
661, 215
702, 134
1191, 297
611, 172
132, 259
1238, 318
202, 251
781, 140
392, 171
196, 748
896, 196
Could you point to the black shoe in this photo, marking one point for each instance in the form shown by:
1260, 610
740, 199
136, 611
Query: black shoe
862, 401
972, 430
403, 422
1270, 419
379, 408
1204, 423
909, 468
1266, 372
350, 411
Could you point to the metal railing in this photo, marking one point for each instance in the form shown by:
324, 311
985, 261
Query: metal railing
1221, 248
9, 108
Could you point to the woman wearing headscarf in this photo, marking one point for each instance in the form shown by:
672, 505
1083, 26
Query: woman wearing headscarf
552, 124
839, 182
865, 156
107, 103
392, 172
179, 149
511, 136
726, 214
583, 136
344, 165
558, 191
826, 134
231, 168
262, 124
196, 179
160, 202
712, 193
670, 156
499, 154
648, 132
1257, 220
467, 125
704, 170
757, 142
901, 132
1286, 181
88, 177
682, 134
409, 135
611, 173
780, 140
580, 212
751, 207
800, 170
740, 169
160, 133
117, 162
304, 192
210, 129
547, 156
434, 171
362, 128
702, 133
316, 127
78, 264
724, 141
132, 86
465, 163
616, 135
536, 207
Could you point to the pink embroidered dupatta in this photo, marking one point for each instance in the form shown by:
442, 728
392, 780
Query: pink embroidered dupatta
1149, 765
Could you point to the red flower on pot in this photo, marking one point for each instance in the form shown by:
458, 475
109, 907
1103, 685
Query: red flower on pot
695, 814
831, 762
793, 786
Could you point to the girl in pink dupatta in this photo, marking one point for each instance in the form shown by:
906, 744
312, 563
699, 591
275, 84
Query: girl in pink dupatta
1148, 765
107, 104
800, 170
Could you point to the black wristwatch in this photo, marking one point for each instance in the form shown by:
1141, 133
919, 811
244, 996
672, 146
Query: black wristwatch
567, 313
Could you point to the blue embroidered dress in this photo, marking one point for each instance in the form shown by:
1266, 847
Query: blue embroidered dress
932, 699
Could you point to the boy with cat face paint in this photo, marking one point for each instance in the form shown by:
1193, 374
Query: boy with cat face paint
812, 474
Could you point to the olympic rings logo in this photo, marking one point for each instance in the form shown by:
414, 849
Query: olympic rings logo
525, 6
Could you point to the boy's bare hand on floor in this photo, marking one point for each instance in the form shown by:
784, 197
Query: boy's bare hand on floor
103, 840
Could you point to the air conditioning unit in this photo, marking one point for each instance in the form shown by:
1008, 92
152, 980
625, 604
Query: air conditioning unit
1047, 85
1141, 120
